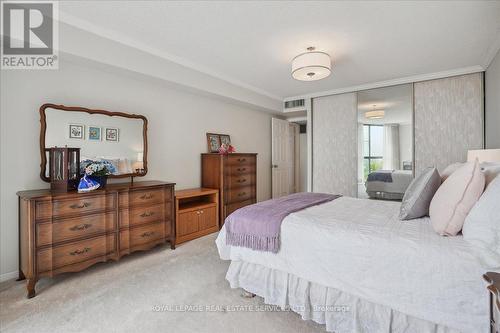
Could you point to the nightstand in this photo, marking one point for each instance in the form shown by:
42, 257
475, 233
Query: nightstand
197, 213
494, 288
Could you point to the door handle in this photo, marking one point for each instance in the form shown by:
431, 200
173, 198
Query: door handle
274, 166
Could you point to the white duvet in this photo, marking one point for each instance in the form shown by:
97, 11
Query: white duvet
360, 247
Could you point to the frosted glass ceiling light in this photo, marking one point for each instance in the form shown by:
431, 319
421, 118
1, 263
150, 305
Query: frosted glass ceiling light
375, 114
311, 66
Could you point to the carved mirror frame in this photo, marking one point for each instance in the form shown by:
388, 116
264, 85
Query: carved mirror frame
43, 129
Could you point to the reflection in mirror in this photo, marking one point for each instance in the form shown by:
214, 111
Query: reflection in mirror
115, 139
385, 142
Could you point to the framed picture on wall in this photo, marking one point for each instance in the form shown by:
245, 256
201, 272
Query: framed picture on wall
225, 139
213, 142
76, 131
112, 134
94, 133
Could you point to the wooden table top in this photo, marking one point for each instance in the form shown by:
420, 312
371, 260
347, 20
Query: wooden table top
30, 194
194, 192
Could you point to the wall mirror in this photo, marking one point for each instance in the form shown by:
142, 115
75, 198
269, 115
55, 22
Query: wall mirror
116, 137
385, 142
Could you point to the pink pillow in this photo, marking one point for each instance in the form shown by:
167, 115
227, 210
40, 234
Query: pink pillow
455, 198
450, 169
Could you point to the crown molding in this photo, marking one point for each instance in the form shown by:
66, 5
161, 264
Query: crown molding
393, 82
492, 52
125, 40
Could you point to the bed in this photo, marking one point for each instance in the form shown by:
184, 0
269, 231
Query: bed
352, 265
388, 184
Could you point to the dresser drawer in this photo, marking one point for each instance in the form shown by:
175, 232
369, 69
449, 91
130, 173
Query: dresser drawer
142, 235
141, 215
239, 170
74, 228
74, 206
80, 251
230, 208
239, 194
148, 197
237, 160
236, 181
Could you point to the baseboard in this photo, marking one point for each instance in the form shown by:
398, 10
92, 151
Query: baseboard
8, 276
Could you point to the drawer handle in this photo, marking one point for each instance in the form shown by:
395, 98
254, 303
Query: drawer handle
146, 196
242, 180
148, 234
77, 206
78, 252
147, 214
242, 159
80, 227
241, 169
241, 194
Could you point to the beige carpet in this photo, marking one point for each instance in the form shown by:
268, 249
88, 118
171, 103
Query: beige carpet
123, 297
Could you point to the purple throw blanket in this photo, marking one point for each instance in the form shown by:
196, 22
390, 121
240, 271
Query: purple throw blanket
258, 226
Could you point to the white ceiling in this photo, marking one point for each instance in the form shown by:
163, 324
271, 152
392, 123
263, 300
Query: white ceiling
396, 101
252, 43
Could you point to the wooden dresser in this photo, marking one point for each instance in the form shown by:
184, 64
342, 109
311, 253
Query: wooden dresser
68, 232
235, 175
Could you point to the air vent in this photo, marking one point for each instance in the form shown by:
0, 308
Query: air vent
295, 104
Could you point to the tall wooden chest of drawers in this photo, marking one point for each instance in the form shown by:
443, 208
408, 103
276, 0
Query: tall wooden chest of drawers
235, 176
68, 232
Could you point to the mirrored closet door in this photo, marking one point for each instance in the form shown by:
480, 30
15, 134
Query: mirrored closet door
385, 142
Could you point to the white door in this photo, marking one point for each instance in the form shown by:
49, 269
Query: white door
282, 158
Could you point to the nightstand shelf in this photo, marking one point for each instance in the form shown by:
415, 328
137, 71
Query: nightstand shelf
197, 212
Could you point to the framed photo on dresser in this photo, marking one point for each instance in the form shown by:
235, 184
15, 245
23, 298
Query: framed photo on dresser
213, 142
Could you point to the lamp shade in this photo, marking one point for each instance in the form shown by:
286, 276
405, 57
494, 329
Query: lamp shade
311, 66
484, 155
375, 114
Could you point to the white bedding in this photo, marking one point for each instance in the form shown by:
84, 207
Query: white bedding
359, 246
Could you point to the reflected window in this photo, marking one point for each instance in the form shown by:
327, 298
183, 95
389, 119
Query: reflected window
373, 144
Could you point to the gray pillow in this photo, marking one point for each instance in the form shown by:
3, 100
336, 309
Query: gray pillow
418, 195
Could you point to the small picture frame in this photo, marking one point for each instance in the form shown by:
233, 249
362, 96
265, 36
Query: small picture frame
94, 133
112, 134
213, 142
76, 131
225, 139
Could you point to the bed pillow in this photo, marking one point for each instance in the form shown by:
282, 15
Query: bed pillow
455, 198
450, 169
482, 226
490, 170
419, 194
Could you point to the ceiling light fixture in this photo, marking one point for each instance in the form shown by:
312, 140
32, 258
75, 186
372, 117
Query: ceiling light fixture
311, 65
375, 114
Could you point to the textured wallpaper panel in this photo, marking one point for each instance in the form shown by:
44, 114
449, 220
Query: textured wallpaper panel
448, 120
335, 144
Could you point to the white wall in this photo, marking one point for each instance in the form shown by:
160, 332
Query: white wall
178, 122
492, 119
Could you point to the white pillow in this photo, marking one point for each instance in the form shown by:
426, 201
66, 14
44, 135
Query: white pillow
482, 226
490, 170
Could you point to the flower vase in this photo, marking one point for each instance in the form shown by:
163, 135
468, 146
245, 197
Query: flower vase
102, 180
